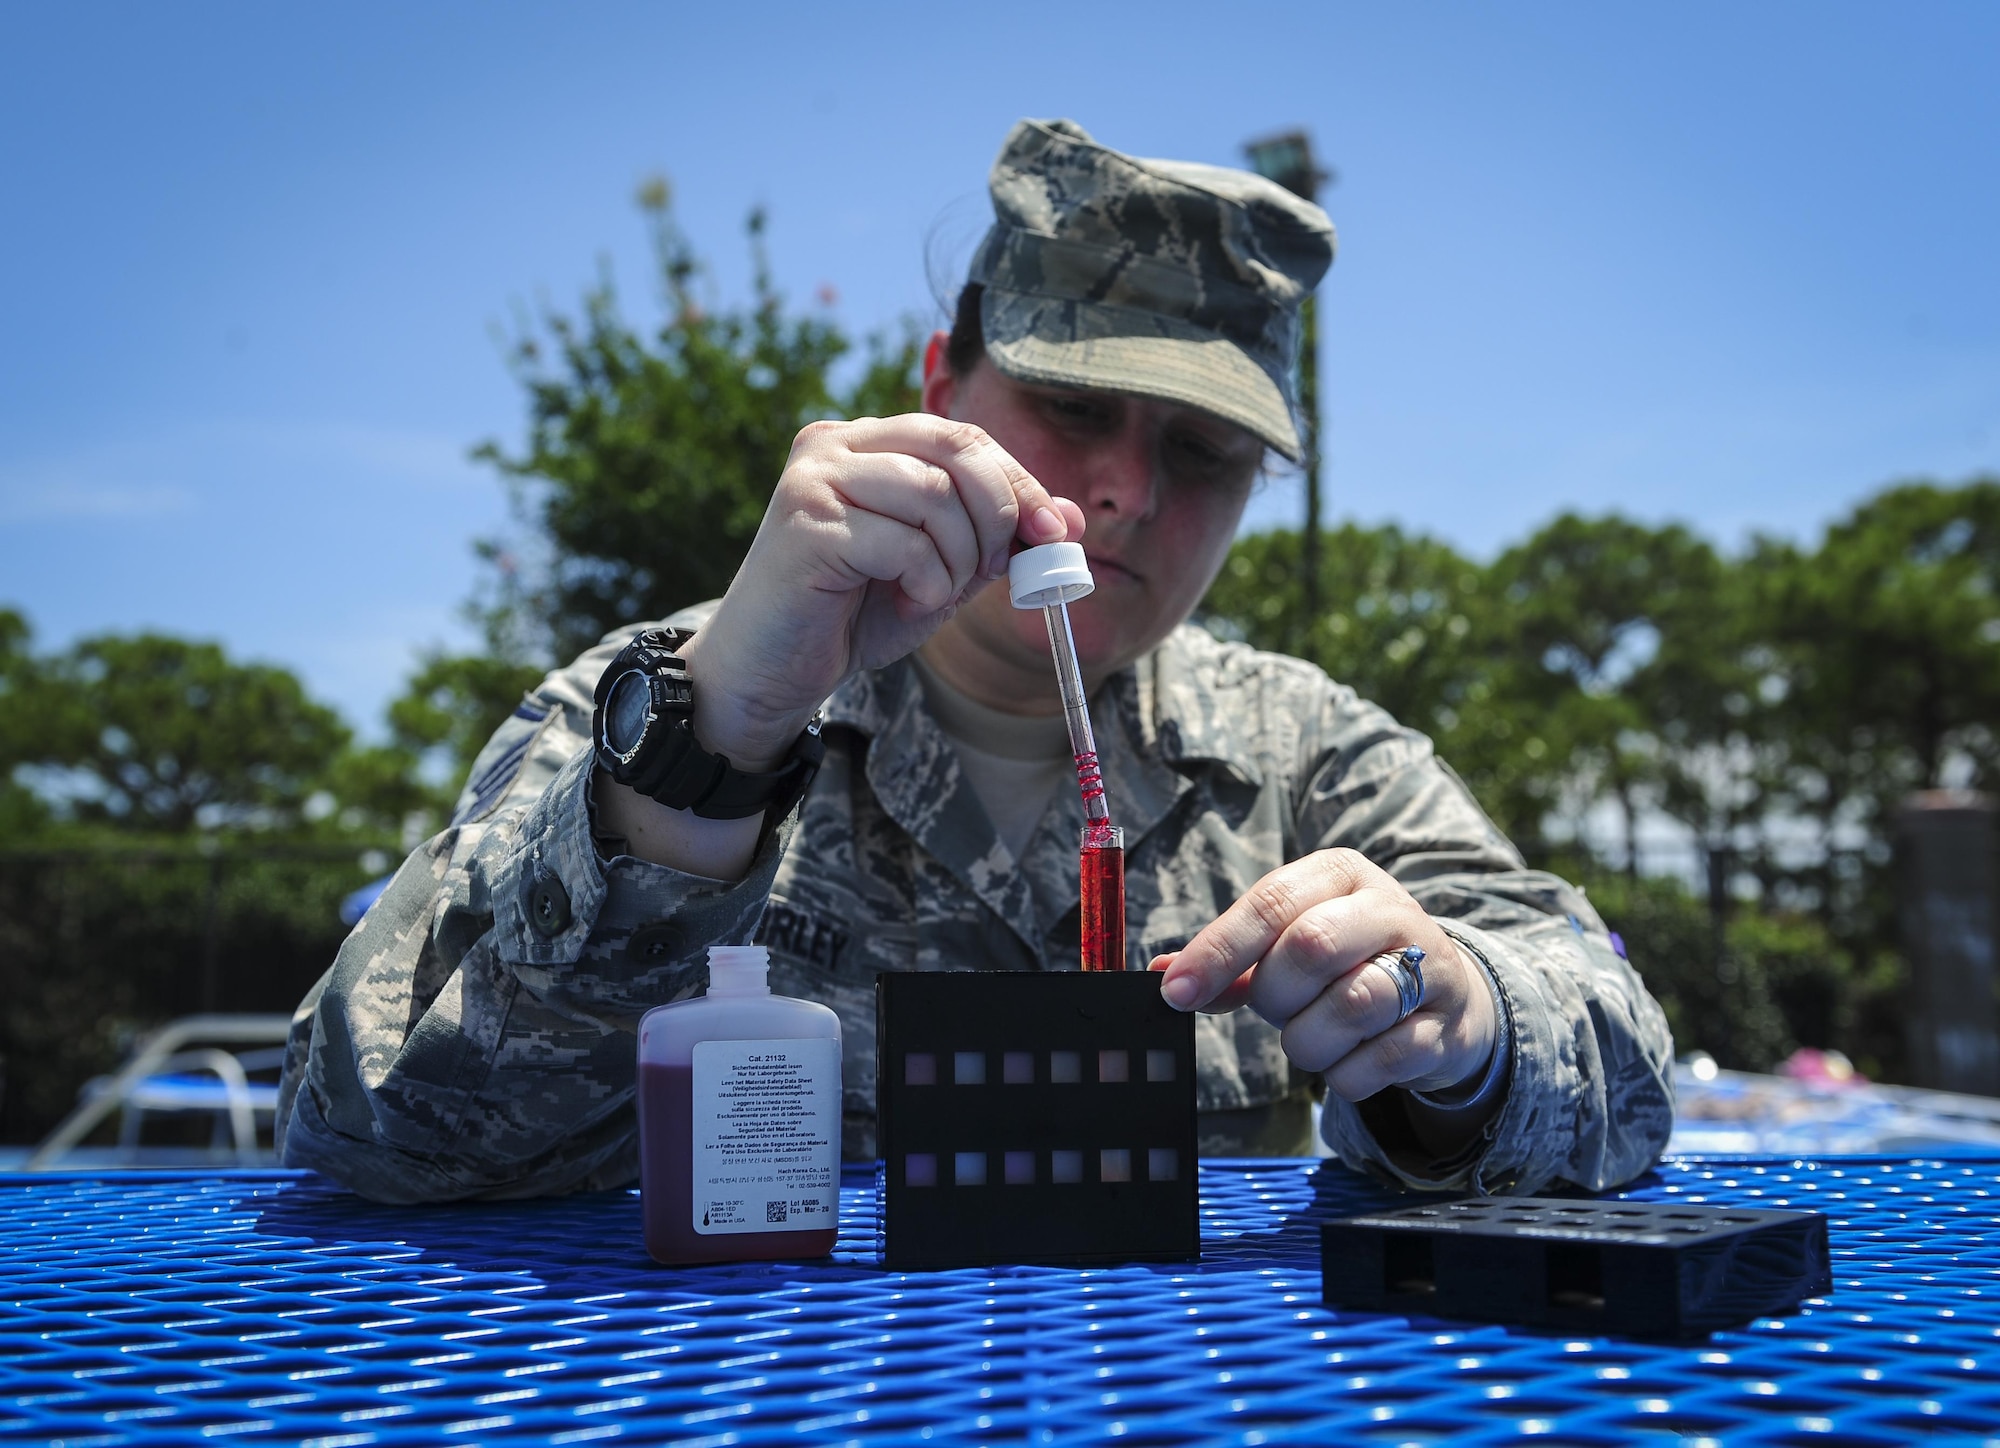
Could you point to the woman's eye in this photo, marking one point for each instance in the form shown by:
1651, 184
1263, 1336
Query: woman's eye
1200, 451
1075, 409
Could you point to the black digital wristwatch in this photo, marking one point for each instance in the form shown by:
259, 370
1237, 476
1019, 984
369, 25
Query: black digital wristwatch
644, 732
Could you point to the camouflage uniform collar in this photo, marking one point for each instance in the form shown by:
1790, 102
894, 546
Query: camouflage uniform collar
914, 772
1178, 712
1167, 710
1158, 724
868, 702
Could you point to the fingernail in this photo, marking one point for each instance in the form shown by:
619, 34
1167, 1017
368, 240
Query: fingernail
1049, 523
996, 566
1180, 992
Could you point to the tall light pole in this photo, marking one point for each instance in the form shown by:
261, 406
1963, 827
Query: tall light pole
1287, 159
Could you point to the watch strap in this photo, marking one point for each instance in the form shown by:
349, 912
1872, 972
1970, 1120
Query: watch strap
670, 765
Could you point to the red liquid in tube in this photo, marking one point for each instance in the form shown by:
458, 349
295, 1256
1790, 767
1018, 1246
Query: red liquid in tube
1103, 896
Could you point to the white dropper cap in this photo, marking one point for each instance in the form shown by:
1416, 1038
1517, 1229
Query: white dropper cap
739, 970
1052, 573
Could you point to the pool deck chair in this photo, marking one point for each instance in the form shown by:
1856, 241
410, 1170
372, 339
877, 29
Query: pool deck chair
181, 1067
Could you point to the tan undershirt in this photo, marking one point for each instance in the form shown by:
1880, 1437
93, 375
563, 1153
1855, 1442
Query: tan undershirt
1014, 762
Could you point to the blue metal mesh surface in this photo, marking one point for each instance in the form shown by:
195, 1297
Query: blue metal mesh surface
259, 1306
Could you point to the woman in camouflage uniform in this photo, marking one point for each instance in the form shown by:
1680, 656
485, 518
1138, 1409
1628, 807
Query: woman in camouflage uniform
1122, 356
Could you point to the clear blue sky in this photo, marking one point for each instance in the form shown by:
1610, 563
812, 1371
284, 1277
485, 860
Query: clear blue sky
1721, 263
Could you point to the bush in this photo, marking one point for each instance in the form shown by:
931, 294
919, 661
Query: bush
1782, 981
98, 946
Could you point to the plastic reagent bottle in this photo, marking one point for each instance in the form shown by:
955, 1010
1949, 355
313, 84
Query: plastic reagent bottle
739, 1120
1051, 578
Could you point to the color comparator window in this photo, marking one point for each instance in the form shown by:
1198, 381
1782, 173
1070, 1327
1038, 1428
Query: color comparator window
1112, 1067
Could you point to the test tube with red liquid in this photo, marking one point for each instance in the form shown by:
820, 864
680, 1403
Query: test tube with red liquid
1050, 578
1103, 884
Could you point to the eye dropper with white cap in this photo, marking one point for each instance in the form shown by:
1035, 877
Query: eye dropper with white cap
1051, 578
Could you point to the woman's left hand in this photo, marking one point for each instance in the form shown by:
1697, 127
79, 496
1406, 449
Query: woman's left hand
1298, 950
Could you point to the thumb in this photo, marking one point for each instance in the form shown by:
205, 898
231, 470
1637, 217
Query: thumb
1236, 993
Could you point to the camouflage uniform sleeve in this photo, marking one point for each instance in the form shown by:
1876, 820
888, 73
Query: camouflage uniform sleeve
1589, 1098
475, 1035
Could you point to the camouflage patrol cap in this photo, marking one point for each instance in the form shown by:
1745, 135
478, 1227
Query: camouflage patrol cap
1165, 279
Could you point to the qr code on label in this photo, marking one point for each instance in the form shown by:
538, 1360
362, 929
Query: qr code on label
774, 1211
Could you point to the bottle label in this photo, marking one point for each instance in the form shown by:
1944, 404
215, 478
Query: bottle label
766, 1135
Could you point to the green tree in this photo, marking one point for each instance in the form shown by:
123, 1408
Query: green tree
1410, 624
154, 734
22, 812
453, 703
447, 711
1730, 1013
1401, 626
1786, 979
1603, 628
1900, 613
1892, 635
176, 841
1884, 678
650, 458
1396, 624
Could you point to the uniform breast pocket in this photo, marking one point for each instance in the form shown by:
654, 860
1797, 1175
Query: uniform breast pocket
820, 925
816, 955
820, 953
812, 939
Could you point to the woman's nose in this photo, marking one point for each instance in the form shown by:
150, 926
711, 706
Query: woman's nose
1125, 478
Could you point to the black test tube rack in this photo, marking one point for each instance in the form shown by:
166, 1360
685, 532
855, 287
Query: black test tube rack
1641, 1269
1044, 1117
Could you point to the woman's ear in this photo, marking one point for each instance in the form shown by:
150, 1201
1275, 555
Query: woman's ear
940, 386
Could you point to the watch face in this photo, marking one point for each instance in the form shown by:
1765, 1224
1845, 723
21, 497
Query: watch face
627, 712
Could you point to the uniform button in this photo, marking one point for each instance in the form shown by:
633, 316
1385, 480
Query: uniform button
656, 943
548, 906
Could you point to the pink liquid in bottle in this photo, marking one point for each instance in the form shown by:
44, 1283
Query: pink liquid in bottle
739, 1120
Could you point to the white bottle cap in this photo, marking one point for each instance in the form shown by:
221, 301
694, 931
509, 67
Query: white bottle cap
1052, 573
737, 970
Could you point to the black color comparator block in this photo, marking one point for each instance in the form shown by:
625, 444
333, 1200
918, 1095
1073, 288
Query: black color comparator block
1642, 1269
1034, 1117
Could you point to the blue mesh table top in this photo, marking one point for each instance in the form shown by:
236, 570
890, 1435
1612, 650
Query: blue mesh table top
260, 1306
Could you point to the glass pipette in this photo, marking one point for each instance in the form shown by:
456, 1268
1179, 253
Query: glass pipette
1076, 713
1048, 578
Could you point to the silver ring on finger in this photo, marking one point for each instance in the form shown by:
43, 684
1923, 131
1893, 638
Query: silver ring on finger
1406, 968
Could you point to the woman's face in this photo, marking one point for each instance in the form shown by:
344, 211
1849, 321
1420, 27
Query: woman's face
1161, 486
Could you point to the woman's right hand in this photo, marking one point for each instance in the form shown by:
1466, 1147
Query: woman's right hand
878, 530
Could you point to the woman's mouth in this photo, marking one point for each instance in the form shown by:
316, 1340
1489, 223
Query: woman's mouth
1109, 570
